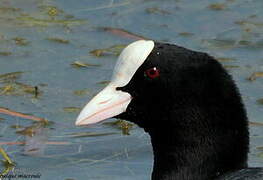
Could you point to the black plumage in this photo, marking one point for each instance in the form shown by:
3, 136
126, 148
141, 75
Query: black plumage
194, 114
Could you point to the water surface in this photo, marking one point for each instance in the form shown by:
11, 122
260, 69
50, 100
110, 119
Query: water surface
43, 38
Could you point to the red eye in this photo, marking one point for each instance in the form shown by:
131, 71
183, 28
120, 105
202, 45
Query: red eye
152, 72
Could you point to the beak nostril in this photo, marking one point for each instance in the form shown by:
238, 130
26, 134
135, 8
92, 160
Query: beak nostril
119, 88
124, 88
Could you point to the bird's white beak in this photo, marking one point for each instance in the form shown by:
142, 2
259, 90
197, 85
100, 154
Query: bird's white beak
110, 102
106, 104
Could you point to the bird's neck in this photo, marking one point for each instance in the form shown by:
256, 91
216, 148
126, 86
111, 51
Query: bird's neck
182, 159
184, 149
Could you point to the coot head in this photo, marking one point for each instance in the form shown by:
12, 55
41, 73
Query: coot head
185, 100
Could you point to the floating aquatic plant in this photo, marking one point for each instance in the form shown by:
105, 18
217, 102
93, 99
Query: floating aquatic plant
9, 9
255, 75
12, 87
5, 53
7, 162
156, 10
88, 134
5, 156
28, 131
58, 40
51, 11
112, 50
34, 129
225, 59
124, 126
31, 21
16, 88
78, 64
16, 126
71, 109
81, 92
260, 155
246, 22
21, 41
122, 33
219, 43
10, 77
230, 66
255, 123
22, 115
217, 6
260, 101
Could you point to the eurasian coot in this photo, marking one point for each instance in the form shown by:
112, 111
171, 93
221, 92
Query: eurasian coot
189, 105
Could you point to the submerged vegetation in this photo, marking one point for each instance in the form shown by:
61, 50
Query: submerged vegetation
81, 92
58, 40
123, 125
217, 6
20, 41
156, 10
10, 77
31, 21
48, 52
225, 59
112, 50
71, 109
260, 101
5, 53
11, 86
255, 75
78, 64
7, 163
88, 134
45, 16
